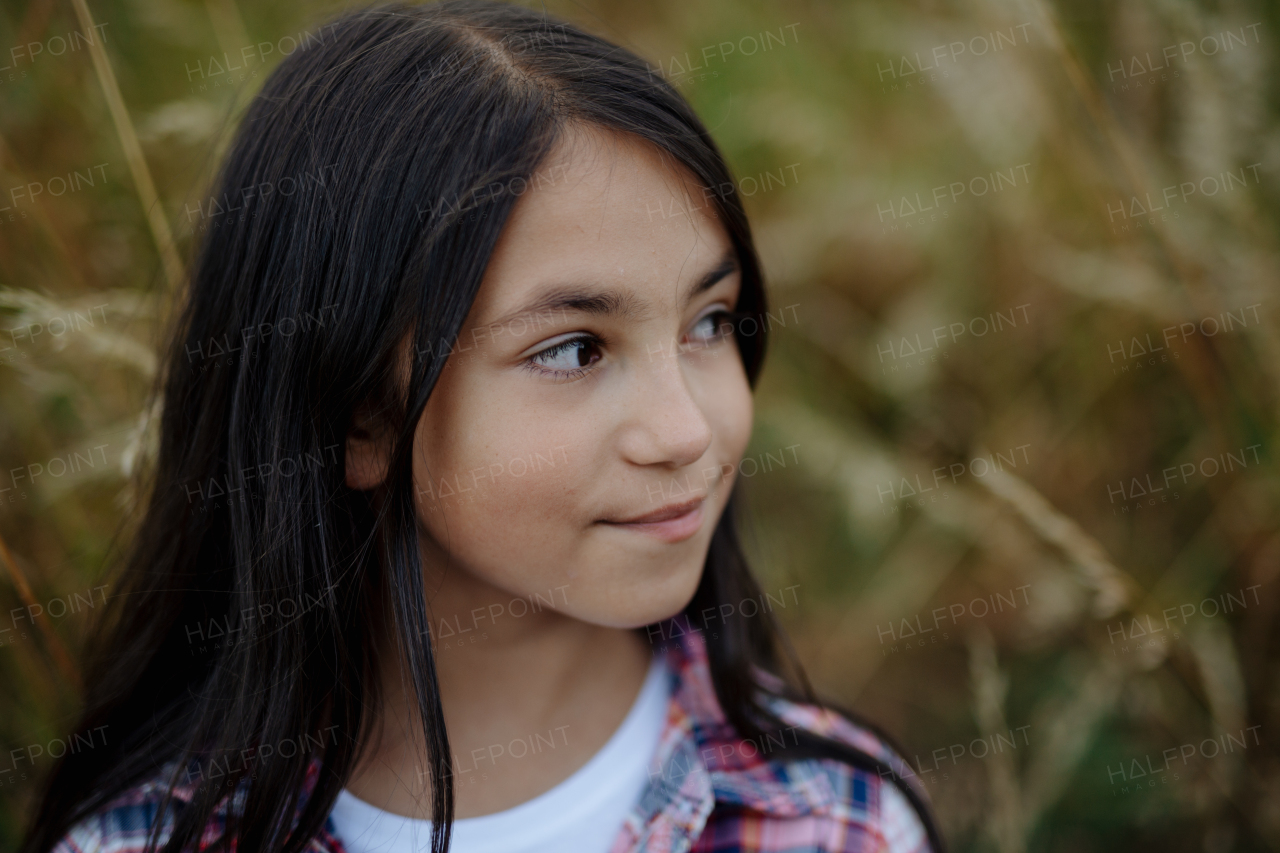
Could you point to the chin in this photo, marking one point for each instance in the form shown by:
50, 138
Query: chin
659, 601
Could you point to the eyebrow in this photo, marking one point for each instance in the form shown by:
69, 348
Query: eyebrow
612, 303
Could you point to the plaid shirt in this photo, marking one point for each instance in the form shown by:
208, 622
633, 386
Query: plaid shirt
709, 791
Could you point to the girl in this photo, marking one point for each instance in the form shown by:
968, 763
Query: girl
441, 551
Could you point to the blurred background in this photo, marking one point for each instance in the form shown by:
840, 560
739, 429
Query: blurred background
1013, 481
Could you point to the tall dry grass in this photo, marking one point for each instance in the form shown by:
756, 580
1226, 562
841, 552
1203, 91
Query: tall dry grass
1030, 722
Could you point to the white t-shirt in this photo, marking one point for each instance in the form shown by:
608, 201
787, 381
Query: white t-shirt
584, 813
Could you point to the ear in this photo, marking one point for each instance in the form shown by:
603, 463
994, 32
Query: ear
368, 450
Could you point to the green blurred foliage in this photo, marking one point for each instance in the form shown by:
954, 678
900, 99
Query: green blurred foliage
1005, 479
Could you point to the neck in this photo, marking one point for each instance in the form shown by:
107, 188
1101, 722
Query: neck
509, 687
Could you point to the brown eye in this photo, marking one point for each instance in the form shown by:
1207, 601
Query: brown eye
568, 357
711, 329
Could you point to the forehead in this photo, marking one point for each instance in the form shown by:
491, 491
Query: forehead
605, 209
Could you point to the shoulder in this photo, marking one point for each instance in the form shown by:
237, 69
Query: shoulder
831, 724
767, 797
857, 803
125, 823
117, 828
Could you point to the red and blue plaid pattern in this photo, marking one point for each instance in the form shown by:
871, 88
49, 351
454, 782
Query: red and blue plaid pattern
709, 791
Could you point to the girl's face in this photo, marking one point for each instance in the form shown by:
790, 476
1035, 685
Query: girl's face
583, 437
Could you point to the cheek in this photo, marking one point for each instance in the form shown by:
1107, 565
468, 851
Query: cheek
501, 487
729, 406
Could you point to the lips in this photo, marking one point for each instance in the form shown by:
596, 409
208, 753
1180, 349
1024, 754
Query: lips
672, 523
665, 513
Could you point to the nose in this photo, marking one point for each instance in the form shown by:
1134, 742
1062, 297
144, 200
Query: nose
667, 426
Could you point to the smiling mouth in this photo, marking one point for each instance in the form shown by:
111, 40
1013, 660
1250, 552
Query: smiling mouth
662, 514
671, 523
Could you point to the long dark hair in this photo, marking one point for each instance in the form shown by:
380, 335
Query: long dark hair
357, 208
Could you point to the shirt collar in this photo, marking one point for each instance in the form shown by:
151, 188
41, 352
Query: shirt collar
700, 762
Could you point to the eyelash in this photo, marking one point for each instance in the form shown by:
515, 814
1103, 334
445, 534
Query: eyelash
530, 363
727, 317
